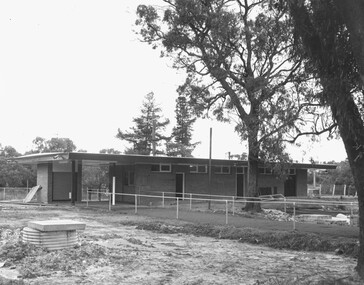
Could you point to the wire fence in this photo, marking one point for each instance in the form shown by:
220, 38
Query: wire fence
14, 193
226, 204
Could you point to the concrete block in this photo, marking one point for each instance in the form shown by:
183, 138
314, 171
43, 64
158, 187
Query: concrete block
56, 225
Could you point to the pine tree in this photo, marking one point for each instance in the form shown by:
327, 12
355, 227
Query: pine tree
182, 132
148, 129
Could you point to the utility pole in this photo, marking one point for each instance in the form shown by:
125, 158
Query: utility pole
210, 152
153, 134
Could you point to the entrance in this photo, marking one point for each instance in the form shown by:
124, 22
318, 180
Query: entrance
290, 186
62, 185
240, 185
180, 184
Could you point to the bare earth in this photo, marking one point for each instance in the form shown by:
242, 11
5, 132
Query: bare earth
117, 253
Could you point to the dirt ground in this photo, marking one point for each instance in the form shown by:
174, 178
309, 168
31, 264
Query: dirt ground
113, 250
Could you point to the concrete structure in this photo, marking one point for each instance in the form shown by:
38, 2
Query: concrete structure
60, 175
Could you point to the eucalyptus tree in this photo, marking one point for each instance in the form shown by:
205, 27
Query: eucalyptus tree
332, 35
180, 144
240, 65
147, 134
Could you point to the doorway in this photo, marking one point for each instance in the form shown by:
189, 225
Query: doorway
240, 185
290, 186
180, 184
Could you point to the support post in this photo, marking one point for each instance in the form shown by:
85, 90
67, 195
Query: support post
87, 198
285, 205
163, 199
344, 190
210, 155
113, 190
74, 183
333, 190
190, 201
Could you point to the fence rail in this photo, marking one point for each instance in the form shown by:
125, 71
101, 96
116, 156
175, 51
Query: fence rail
229, 205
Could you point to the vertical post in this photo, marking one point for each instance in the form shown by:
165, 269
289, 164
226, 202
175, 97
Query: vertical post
226, 211
74, 183
233, 203
113, 190
136, 203
4, 193
320, 190
285, 206
177, 208
294, 216
163, 199
344, 190
190, 201
333, 190
210, 154
87, 197
351, 209
109, 201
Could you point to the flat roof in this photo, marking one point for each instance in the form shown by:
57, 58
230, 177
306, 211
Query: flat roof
127, 159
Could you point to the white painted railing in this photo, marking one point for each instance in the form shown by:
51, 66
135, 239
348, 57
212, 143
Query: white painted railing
232, 201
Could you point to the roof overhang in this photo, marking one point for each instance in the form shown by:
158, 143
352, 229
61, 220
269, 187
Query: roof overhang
126, 159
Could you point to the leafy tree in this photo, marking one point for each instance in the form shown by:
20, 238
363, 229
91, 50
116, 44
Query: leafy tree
182, 132
146, 135
240, 66
332, 44
53, 145
13, 174
110, 151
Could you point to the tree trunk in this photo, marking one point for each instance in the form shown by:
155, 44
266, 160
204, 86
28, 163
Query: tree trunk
253, 161
351, 128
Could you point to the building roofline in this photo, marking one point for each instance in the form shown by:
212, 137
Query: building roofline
102, 158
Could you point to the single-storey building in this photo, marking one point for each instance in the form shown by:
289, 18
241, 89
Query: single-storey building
60, 175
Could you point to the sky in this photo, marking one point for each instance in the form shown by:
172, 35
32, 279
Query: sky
76, 69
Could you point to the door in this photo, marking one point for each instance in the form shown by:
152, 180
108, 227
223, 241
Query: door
240, 185
290, 186
180, 184
62, 186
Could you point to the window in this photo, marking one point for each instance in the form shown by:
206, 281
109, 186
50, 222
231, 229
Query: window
292, 171
220, 169
165, 168
161, 168
240, 170
265, 170
198, 168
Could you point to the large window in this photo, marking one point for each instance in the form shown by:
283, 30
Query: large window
161, 167
221, 169
240, 170
198, 168
265, 170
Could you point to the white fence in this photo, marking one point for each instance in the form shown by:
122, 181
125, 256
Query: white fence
228, 203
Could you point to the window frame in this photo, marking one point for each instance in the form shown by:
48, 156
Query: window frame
197, 168
219, 169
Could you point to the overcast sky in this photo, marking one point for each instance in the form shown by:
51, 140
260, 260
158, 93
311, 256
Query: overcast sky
75, 69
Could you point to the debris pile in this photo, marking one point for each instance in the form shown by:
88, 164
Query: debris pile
277, 215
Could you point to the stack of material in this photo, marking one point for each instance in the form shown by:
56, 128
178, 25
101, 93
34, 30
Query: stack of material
277, 215
52, 234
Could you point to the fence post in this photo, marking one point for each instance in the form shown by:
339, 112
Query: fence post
233, 201
109, 202
87, 198
226, 211
136, 203
294, 216
333, 190
285, 206
4, 194
190, 201
163, 199
177, 207
344, 190
113, 190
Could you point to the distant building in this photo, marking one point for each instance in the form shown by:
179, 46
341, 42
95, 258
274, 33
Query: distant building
60, 175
